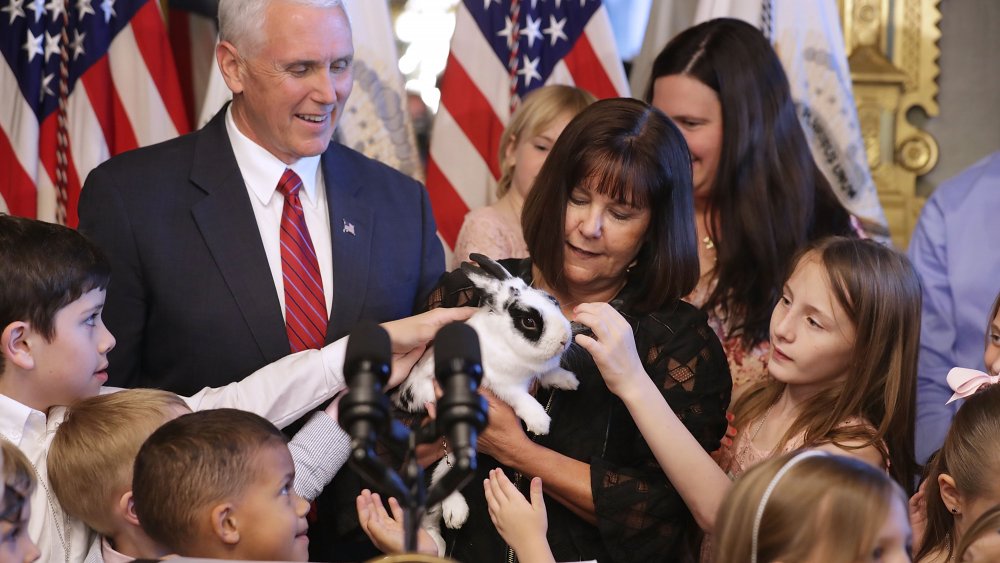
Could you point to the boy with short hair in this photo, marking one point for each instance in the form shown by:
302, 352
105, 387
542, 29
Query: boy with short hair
92, 456
53, 353
218, 484
90, 466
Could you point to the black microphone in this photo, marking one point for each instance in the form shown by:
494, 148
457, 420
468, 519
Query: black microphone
461, 411
365, 409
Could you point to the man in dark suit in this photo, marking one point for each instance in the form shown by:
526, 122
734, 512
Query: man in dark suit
195, 226
191, 225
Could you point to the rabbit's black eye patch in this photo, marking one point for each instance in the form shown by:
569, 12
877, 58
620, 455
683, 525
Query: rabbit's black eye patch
526, 321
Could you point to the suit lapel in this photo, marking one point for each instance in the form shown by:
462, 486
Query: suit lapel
351, 224
226, 221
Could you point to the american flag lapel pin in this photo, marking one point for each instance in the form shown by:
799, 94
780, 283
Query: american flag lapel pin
348, 227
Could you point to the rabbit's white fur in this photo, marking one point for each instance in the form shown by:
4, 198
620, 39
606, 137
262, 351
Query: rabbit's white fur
511, 362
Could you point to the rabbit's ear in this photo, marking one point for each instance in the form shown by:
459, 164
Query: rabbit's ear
487, 284
491, 266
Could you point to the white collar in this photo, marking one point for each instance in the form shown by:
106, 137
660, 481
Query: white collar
15, 418
262, 170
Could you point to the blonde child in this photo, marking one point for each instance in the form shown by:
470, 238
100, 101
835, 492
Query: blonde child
982, 541
843, 354
782, 509
218, 484
813, 506
53, 353
90, 467
960, 485
15, 510
495, 230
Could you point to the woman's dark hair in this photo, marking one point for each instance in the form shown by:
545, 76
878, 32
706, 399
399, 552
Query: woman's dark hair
630, 152
769, 198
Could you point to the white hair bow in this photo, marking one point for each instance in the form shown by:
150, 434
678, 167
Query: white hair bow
965, 382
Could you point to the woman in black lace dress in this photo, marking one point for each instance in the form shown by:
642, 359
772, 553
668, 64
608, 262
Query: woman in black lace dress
610, 220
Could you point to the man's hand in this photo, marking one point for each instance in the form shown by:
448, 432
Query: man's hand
410, 337
412, 332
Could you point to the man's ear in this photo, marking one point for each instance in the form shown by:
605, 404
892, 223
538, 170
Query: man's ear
224, 524
15, 346
231, 65
126, 509
950, 494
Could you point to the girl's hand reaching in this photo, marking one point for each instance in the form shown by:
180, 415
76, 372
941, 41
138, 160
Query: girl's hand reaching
612, 346
520, 523
386, 531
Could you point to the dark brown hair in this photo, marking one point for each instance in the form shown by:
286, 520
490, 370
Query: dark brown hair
43, 268
630, 152
769, 198
193, 462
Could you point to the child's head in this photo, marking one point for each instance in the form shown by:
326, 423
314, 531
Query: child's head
15, 508
787, 507
532, 130
50, 313
961, 484
992, 355
219, 484
981, 542
846, 330
91, 457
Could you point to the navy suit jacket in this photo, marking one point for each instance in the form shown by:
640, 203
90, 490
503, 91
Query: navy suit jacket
191, 299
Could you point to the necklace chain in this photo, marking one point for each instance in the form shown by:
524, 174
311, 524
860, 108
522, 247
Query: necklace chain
760, 423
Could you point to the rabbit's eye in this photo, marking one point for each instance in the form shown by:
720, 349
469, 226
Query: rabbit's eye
528, 323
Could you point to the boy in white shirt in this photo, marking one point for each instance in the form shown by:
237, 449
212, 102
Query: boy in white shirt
53, 353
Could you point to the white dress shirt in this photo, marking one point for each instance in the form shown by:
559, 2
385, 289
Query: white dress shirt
261, 172
281, 392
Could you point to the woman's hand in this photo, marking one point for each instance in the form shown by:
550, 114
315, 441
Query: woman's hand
503, 434
520, 523
612, 346
386, 531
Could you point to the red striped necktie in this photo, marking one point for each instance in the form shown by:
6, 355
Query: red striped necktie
305, 307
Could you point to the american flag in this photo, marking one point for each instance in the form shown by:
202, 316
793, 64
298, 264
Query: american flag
80, 81
501, 50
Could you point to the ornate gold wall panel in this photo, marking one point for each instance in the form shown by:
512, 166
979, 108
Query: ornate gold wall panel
892, 51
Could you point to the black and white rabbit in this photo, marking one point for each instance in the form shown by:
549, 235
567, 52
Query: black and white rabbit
522, 335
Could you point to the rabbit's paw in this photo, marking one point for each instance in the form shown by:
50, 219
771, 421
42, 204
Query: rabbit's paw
455, 511
537, 422
560, 378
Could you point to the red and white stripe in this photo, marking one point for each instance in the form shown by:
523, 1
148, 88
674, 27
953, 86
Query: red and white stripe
129, 98
462, 170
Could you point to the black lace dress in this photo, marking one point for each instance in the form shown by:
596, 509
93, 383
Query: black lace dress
640, 516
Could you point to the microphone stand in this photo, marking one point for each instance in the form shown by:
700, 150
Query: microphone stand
364, 412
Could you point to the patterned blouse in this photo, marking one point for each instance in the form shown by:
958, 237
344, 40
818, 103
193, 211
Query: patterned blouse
640, 516
747, 365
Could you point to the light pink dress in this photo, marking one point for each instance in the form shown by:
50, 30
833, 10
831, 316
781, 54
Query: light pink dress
743, 454
487, 231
